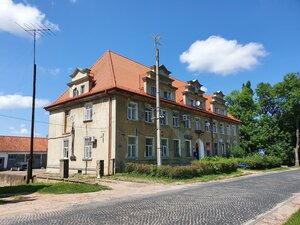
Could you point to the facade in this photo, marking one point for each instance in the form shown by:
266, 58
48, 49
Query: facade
107, 113
17, 149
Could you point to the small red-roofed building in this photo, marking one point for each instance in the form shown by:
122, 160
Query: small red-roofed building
14, 149
107, 114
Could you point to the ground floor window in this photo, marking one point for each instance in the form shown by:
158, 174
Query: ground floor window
164, 147
149, 148
176, 145
132, 147
216, 149
66, 148
207, 147
88, 147
188, 148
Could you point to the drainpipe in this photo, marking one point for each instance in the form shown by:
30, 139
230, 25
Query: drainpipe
109, 144
212, 136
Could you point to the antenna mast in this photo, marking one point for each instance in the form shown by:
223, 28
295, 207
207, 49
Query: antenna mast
36, 31
158, 133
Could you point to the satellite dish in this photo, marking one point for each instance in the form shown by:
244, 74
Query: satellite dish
198, 103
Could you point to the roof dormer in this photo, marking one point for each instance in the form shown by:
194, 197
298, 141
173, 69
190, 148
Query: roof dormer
81, 82
193, 95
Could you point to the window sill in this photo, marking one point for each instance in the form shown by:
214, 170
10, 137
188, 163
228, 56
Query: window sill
86, 121
132, 158
146, 122
85, 159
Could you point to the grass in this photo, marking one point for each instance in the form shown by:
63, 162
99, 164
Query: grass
133, 177
294, 219
50, 188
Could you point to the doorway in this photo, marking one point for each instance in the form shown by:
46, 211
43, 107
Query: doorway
200, 149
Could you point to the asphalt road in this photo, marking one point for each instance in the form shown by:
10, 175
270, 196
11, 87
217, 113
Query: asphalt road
227, 202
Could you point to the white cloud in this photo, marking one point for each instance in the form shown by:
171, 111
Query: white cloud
53, 72
203, 88
73, 1
18, 101
20, 131
220, 56
12, 14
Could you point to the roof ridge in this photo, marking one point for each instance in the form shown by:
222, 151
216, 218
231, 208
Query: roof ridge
99, 59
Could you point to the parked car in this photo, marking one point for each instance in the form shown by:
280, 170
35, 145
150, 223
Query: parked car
19, 166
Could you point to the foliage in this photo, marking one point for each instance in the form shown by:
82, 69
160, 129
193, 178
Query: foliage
258, 161
237, 152
197, 169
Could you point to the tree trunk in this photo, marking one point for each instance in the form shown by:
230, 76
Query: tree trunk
297, 143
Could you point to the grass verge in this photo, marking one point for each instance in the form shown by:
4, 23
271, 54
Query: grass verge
294, 219
134, 177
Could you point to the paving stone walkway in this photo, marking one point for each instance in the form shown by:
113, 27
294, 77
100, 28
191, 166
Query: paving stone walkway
234, 201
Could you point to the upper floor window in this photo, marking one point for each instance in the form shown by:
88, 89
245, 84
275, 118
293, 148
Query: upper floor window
153, 91
221, 128
149, 148
88, 112
75, 92
187, 121
163, 117
65, 148
197, 124
167, 95
216, 110
234, 130
132, 111
132, 147
228, 130
148, 116
192, 102
82, 89
207, 126
175, 120
215, 130
88, 144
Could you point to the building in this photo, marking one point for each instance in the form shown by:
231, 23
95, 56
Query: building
107, 114
17, 149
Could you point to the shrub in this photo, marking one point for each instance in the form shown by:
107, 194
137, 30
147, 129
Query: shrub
258, 161
237, 152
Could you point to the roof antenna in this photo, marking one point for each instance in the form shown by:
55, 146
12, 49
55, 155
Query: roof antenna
37, 31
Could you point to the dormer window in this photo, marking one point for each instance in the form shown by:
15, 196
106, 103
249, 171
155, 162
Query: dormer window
167, 95
75, 92
153, 91
82, 89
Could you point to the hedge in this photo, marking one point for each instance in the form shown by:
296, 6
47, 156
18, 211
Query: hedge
258, 161
197, 169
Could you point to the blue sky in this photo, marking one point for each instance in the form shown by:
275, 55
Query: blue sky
221, 43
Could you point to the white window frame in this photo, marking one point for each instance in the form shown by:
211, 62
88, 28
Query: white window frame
167, 95
148, 115
164, 148
75, 92
179, 148
190, 144
132, 108
164, 117
175, 119
197, 123
65, 149
228, 129
88, 111
82, 89
153, 91
129, 152
207, 128
187, 122
88, 145
149, 147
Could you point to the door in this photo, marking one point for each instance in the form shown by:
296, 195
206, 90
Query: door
200, 148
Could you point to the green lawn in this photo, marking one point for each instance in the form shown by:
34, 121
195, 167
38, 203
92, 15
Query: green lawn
294, 219
150, 179
50, 188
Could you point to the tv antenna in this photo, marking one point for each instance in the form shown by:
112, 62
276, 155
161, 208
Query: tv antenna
37, 31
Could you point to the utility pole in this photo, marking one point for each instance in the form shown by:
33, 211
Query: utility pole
34, 30
158, 133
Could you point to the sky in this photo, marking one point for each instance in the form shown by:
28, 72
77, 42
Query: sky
222, 43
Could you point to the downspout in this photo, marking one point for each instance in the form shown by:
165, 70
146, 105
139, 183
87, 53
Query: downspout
109, 127
212, 136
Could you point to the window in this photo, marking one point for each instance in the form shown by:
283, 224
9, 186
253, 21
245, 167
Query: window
88, 112
221, 128
192, 102
215, 130
175, 120
234, 130
167, 95
187, 121
216, 110
132, 111
197, 124
216, 148
132, 147
207, 126
65, 148
228, 130
164, 147
82, 89
88, 144
188, 148
149, 148
75, 92
148, 116
176, 145
153, 91
164, 117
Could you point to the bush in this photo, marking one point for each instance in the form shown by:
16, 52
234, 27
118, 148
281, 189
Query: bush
237, 152
258, 161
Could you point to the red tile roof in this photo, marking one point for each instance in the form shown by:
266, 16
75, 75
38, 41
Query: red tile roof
115, 71
22, 144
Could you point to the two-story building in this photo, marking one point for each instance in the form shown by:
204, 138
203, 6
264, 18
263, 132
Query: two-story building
107, 113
